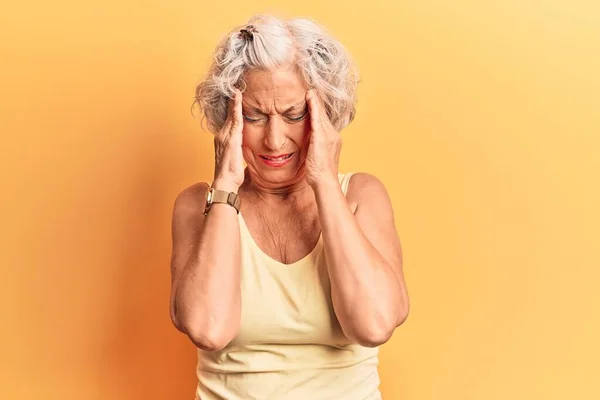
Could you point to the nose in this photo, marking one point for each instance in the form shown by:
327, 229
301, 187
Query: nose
275, 136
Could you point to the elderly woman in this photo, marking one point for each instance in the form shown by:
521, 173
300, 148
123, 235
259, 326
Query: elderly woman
286, 274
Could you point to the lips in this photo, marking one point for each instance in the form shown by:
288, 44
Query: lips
280, 157
278, 160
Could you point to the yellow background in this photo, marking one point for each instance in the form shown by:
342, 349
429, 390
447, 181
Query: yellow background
481, 117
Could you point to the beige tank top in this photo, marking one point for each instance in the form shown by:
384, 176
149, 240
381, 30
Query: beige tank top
290, 345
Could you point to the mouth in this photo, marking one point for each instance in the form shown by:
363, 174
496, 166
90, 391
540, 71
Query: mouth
277, 158
277, 161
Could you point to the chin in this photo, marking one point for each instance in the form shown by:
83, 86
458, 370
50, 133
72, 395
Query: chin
279, 176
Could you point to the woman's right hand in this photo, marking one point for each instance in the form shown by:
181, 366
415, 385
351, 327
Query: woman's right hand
229, 161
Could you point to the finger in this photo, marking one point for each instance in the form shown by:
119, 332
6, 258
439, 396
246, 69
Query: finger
230, 110
237, 118
313, 107
225, 129
231, 105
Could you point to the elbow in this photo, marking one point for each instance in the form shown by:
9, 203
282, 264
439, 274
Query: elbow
373, 338
372, 335
177, 325
378, 333
213, 338
402, 316
210, 334
404, 311
175, 320
206, 332
207, 339
208, 343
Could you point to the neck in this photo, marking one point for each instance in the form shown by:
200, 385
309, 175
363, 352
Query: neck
294, 189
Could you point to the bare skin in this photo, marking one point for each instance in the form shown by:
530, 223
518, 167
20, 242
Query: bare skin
286, 207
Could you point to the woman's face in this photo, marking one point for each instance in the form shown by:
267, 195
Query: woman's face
276, 126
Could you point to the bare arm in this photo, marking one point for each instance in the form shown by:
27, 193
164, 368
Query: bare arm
205, 270
364, 259
205, 263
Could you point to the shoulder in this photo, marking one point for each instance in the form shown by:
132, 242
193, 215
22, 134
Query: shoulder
363, 186
191, 200
368, 196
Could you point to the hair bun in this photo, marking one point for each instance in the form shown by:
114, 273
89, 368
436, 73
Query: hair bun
248, 33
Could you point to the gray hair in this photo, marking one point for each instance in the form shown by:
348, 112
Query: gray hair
322, 61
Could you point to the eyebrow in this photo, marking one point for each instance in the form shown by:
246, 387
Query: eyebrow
295, 106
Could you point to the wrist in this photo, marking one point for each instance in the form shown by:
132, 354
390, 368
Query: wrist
324, 185
226, 185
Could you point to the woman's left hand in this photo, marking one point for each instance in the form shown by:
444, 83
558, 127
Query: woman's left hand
325, 144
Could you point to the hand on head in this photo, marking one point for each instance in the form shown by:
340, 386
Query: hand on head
229, 161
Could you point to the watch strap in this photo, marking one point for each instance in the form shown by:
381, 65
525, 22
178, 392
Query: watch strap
222, 196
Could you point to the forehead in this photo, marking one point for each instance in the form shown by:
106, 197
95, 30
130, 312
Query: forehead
282, 88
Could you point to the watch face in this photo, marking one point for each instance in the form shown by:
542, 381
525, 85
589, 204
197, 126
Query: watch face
208, 201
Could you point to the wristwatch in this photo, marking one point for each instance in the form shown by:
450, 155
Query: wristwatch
221, 196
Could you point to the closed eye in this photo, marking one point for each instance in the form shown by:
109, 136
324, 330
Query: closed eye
295, 119
299, 118
249, 119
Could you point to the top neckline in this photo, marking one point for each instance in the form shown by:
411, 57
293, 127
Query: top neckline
344, 180
264, 255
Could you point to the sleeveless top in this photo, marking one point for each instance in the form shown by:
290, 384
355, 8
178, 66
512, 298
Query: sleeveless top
290, 345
